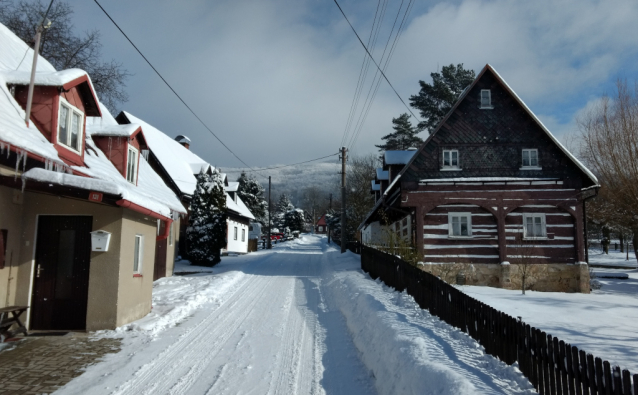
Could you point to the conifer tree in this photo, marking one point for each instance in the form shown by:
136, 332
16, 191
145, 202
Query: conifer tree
251, 193
283, 206
295, 220
206, 232
404, 136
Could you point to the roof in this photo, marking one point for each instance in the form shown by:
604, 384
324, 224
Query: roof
375, 186
43, 77
239, 207
398, 157
382, 174
322, 220
180, 163
233, 186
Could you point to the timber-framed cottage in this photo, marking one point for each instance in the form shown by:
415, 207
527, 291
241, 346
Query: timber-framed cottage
490, 186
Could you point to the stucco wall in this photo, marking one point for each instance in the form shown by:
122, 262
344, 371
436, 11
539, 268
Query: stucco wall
10, 219
238, 245
171, 250
135, 292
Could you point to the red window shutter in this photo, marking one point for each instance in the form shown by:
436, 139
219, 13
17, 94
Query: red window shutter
3, 246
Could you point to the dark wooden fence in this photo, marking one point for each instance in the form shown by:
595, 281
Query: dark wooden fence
552, 366
353, 246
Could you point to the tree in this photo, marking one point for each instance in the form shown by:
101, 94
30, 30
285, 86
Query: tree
251, 193
295, 220
404, 136
64, 49
609, 146
361, 169
435, 101
281, 208
206, 231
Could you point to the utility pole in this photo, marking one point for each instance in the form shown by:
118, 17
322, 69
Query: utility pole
42, 25
343, 199
328, 225
269, 210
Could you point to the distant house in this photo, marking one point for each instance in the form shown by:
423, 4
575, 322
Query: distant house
178, 166
72, 171
321, 227
490, 186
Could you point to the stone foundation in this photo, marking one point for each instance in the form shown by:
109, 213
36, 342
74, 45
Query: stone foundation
538, 277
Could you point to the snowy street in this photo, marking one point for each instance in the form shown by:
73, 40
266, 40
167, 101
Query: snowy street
298, 319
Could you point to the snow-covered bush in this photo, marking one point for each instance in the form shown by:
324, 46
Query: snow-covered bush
206, 232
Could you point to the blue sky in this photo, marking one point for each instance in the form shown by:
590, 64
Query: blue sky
275, 79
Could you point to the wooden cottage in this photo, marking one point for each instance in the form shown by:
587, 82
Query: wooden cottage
491, 191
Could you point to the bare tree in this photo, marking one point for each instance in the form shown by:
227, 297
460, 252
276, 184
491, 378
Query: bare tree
359, 201
610, 147
527, 271
64, 49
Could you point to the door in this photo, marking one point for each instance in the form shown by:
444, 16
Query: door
61, 278
159, 270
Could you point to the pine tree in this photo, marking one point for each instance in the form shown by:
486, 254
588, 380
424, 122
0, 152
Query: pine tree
404, 136
295, 220
281, 208
435, 101
251, 193
206, 232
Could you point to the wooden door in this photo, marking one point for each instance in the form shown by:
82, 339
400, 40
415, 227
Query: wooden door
61, 277
159, 270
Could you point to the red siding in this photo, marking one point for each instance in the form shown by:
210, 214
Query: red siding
115, 149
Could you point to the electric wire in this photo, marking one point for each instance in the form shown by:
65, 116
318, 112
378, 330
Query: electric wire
375, 62
171, 88
281, 167
28, 48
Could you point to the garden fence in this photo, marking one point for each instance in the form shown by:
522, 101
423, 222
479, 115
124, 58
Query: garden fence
552, 366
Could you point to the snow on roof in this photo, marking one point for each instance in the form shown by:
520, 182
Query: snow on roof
239, 207
398, 157
111, 130
47, 78
179, 162
196, 168
382, 174
375, 186
13, 50
233, 186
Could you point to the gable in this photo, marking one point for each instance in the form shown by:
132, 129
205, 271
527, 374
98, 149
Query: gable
490, 141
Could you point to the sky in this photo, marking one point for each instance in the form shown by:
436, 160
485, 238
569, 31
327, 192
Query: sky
275, 79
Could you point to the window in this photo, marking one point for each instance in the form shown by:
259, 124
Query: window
530, 158
70, 121
243, 235
486, 98
250, 228
137, 257
321, 229
131, 165
460, 224
534, 226
235, 233
450, 159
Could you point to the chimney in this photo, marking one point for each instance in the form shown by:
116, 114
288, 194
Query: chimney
183, 140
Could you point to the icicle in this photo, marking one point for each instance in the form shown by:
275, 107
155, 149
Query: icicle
24, 162
19, 154
1, 147
8, 150
24, 184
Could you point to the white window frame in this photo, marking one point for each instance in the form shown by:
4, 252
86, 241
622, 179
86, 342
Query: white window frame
320, 228
468, 217
543, 223
235, 234
489, 99
72, 110
451, 166
132, 178
140, 254
530, 166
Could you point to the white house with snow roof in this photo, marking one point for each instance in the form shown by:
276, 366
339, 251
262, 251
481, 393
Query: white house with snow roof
178, 166
80, 212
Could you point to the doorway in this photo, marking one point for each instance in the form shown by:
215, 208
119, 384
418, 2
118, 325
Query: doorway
61, 277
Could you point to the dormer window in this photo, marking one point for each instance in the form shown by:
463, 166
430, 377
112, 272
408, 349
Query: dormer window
450, 160
530, 159
486, 99
70, 121
131, 165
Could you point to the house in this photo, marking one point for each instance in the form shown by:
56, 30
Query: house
491, 191
57, 185
178, 166
321, 227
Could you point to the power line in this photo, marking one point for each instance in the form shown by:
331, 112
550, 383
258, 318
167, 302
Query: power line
375, 62
280, 167
169, 86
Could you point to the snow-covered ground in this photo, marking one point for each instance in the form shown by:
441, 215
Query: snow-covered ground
604, 323
299, 319
614, 258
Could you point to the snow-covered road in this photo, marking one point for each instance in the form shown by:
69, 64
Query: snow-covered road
299, 319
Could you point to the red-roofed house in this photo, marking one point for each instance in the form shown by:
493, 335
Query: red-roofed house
321, 227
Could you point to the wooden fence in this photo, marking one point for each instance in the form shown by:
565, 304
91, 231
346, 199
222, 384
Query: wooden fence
552, 366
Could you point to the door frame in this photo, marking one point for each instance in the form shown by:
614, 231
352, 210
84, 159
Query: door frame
27, 321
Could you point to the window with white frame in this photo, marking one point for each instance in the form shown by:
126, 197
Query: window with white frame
137, 257
243, 235
534, 226
70, 121
486, 98
131, 165
450, 159
460, 224
530, 158
235, 233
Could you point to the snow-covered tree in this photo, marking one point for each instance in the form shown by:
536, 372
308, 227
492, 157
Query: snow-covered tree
403, 137
295, 219
206, 231
284, 205
252, 194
